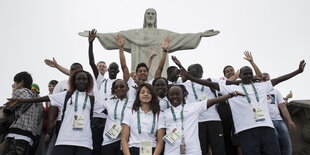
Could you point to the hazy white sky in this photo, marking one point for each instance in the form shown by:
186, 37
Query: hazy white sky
276, 32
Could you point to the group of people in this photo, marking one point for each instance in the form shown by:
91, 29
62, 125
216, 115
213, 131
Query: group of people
181, 114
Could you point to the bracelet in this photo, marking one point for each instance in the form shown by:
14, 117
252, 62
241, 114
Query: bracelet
233, 94
166, 50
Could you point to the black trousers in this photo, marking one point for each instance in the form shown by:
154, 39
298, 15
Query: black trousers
259, 141
113, 148
71, 150
97, 128
211, 133
16, 147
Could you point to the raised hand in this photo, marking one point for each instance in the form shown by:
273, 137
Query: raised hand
165, 45
301, 67
176, 61
51, 63
153, 54
120, 40
248, 56
92, 35
209, 33
289, 95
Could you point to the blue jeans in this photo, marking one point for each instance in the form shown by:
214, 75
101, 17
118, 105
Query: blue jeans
283, 137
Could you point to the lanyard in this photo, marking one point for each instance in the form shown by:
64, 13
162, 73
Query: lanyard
167, 103
139, 123
105, 86
76, 101
247, 95
194, 90
175, 118
122, 114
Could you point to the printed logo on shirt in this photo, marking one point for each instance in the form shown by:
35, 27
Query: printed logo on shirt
271, 99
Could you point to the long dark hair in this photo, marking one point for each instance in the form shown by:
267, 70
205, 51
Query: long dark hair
154, 103
90, 83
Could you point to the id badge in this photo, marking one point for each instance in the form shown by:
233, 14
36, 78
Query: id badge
202, 98
172, 136
146, 148
114, 132
258, 114
78, 122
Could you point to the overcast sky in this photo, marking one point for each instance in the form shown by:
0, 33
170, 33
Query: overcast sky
276, 32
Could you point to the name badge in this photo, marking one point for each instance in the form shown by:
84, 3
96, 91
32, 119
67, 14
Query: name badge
172, 136
258, 114
114, 132
202, 98
146, 148
182, 146
78, 122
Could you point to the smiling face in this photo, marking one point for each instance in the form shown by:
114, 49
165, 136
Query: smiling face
229, 72
120, 89
145, 95
161, 87
81, 81
142, 73
175, 96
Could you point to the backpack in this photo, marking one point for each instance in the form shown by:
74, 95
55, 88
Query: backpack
7, 118
68, 96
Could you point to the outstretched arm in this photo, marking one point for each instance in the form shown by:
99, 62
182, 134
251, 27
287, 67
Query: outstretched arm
120, 41
249, 57
91, 38
300, 69
209, 33
14, 101
153, 55
164, 46
54, 64
213, 85
213, 101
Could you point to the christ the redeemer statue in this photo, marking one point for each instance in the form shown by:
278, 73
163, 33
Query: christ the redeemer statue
140, 42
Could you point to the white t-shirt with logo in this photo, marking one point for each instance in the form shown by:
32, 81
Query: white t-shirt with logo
203, 93
191, 113
67, 135
110, 105
274, 98
242, 111
146, 120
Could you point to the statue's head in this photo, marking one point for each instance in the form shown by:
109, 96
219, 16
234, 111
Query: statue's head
150, 18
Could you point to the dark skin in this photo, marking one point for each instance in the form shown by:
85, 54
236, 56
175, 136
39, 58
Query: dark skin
173, 74
121, 89
175, 97
113, 70
81, 83
246, 75
161, 88
91, 38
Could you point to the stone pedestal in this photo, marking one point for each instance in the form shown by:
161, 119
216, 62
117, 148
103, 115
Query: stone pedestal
300, 113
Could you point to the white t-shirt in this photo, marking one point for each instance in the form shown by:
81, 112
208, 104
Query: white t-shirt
191, 112
202, 93
242, 111
274, 98
178, 82
100, 79
110, 106
146, 120
164, 103
68, 136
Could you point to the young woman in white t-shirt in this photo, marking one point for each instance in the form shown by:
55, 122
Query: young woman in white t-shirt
143, 126
181, 121
75, 135
116, 107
